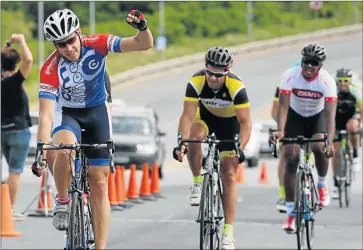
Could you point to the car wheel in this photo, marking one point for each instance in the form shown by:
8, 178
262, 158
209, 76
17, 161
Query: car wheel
161, 174
253, 162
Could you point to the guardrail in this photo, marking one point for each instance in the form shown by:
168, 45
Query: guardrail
154, 68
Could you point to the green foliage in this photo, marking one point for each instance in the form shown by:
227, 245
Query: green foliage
190, 27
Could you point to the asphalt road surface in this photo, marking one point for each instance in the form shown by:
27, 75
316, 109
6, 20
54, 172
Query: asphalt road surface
169, 223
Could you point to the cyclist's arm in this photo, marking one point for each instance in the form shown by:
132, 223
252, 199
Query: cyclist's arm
330, 107
243, 114
189, 111
275, 104
284, 100
48, 93
143, 40
27, 56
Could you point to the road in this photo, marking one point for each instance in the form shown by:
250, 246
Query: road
169, 222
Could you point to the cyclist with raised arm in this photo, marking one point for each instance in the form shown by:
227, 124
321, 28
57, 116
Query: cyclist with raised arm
72, 78
307, 106
348, 117
216, 101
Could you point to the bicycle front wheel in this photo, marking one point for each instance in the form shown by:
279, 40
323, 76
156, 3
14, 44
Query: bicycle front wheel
299, 207
206, 235
76, 223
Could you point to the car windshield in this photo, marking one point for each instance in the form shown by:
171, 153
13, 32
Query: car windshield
131, 125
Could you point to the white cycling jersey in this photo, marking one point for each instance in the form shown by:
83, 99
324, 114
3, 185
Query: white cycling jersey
308, 97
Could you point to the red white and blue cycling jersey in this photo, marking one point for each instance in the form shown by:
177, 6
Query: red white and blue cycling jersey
79, 84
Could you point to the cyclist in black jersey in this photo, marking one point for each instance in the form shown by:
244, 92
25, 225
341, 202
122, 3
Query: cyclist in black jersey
348, 117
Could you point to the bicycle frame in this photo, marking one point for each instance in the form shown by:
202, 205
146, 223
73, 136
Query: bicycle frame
306, 196
211, 180
78, 186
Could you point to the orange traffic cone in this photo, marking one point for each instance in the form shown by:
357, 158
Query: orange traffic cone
112, 192
7, 220
45, 206
120, 186
241, 174
132, 192
155, 185
145, 188
264, 173
126, 203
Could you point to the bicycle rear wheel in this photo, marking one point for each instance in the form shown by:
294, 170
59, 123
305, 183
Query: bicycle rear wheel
312, 208
76, 223
299, 207
348, 182
342, 176
219, 214
206, 236
89, 233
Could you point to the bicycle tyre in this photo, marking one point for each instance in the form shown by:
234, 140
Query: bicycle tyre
342, 175
309, 224
205, 213
89, 231
348, 183
299, 207
76, 222
219, 214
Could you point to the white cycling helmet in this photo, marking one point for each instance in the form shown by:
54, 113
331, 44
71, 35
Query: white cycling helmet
60, 24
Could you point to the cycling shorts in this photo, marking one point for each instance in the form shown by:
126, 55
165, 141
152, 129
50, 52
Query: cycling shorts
96, 123
224, 129
307, 126
341, 120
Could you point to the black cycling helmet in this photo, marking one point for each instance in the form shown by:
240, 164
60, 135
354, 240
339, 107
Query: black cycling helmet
219, 57
314, 50
343, 72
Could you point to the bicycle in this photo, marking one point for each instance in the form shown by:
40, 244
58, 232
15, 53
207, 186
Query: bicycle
306, 203
210, 216
80, 234
345, 175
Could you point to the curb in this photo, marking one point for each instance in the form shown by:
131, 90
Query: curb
154, 68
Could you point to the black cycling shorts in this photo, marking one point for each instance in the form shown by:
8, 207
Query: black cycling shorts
341, 120
96, 123
224, 129
306, 126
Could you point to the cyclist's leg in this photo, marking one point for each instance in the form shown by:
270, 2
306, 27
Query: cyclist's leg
67, 131
316, 124
281, 203
352, 126
97, 130
225, 129
294, 126
198, 130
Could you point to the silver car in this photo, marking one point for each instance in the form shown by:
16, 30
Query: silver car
34, 116
264, 126
137, 137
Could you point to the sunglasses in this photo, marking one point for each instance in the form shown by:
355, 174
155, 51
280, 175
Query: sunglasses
216, 74
344, 79
312, 62
64, 44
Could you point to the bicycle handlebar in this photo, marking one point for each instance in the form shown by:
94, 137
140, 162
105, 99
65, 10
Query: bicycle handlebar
210, 139
76, 146
340, 133
301, 140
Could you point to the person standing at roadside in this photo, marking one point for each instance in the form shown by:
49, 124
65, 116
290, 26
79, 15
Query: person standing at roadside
15, 118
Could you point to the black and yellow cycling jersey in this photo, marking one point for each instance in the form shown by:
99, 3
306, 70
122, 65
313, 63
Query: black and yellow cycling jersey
221, 103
